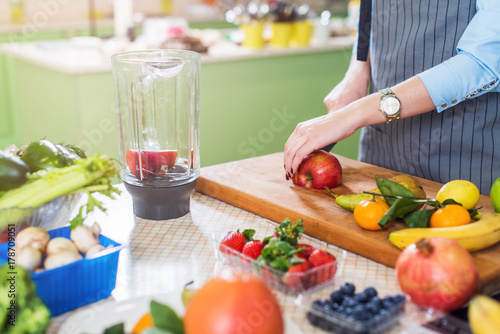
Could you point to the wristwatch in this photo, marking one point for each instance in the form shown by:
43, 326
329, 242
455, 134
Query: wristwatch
389, 104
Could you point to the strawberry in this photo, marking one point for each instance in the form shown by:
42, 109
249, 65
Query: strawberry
328, 262
296, 277
236, 240
319, 257
305, 253
253, 249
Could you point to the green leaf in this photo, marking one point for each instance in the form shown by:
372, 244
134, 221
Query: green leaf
166, 319
266, 240
248, 234
419, 218
398, 209
450, 201
388, 187
115, 329
290, 231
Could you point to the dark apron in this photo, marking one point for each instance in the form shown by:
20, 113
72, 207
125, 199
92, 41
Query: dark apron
462, 142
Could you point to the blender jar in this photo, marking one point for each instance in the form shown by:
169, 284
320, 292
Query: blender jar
157, 104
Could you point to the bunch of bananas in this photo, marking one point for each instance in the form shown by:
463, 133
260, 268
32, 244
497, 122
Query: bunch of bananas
476, 236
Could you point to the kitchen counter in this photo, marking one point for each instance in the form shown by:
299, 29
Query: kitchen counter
162, 256
84, 55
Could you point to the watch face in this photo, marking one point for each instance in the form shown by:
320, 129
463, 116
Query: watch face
390, 105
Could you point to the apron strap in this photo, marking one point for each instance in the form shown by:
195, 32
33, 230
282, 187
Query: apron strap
365, 22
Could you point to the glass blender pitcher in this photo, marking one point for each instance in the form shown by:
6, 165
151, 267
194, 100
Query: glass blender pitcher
157, 103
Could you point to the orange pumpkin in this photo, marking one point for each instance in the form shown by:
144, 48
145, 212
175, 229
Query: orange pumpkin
231, 304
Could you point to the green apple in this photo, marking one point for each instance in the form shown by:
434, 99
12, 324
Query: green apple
495, 195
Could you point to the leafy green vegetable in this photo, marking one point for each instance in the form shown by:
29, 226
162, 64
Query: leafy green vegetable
31, 314
166, 319
89, 175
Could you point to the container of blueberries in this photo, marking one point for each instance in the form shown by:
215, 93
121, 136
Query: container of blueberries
353, 306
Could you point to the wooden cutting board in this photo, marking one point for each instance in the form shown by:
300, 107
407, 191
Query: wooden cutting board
258, 185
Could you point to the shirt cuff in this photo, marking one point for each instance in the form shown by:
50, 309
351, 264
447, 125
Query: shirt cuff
457, 79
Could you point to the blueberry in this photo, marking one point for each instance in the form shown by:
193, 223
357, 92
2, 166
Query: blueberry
360, 313
387, 302
371, 292
337, 297
373, 307
348, 311
327, 307
317, 304
349, 302
398, 299
341, 309
348, 289
362, 297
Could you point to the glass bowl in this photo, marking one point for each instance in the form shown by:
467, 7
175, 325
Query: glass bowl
50, 215
288, 283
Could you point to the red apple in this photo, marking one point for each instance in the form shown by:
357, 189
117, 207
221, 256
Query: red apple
317, 170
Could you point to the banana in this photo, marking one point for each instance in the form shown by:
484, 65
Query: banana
474, 236
484, 315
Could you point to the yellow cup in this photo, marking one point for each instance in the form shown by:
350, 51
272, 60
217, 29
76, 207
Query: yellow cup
301, 33
282, 33
253, 35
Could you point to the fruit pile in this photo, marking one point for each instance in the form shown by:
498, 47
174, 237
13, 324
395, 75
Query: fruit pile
280, 259
356, 312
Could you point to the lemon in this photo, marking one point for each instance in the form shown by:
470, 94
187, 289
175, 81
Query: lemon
461, 191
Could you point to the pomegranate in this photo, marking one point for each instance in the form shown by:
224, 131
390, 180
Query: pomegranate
232, 304
437, 273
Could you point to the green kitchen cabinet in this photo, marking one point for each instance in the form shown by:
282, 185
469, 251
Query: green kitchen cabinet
249, 105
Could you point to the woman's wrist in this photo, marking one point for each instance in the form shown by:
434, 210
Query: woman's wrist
364, 112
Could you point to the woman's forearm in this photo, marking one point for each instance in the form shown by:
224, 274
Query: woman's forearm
412, 93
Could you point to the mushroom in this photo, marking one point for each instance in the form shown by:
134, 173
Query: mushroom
33, 236
94, 250
85, 237
60, 259
60, 244
29, 258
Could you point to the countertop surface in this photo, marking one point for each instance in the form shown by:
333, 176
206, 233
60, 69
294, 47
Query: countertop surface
162, 256
85, 55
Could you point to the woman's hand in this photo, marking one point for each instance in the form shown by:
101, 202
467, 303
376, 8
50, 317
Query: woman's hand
316, 133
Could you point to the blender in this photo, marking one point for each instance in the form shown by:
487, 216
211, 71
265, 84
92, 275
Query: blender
157, 104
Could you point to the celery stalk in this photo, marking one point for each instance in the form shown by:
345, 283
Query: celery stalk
57, 182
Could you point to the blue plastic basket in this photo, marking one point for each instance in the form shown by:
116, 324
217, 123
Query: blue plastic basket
79, 283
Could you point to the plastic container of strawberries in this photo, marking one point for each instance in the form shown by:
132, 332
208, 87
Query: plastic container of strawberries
332, 321
288, 283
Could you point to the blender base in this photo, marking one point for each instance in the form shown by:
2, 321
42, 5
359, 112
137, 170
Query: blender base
161, 203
